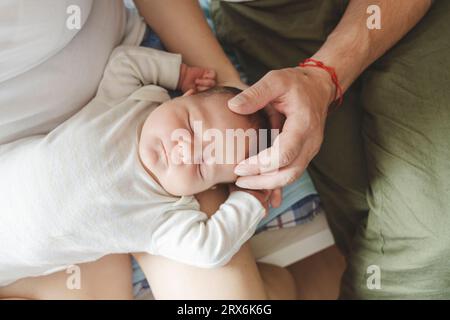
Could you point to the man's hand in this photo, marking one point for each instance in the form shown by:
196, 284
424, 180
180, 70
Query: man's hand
302, 95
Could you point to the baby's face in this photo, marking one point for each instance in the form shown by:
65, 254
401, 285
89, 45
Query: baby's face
175, 148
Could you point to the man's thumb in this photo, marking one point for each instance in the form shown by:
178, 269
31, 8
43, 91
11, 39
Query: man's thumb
252, 99
238, 102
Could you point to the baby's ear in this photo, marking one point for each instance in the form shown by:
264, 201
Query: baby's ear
188, 93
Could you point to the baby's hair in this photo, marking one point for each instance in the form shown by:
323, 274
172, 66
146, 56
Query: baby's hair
222, 89
258, 120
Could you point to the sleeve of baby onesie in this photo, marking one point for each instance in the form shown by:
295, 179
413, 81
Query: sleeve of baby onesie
130, 68
190, 237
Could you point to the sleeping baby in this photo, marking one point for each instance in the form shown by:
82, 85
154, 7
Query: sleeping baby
120, 175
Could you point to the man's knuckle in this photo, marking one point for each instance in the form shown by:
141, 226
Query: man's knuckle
287, 156
279, 79
315, 150
288, 179
273, 74
318, 144
259, 90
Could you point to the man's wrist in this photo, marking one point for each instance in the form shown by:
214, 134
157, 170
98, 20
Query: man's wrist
324, 79
347, 53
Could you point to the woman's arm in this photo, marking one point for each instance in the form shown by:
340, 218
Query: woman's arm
183, 29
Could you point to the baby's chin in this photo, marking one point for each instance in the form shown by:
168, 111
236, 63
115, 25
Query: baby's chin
191, 189
183, 189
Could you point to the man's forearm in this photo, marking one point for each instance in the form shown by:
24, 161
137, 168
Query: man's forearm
352, 46
183, 29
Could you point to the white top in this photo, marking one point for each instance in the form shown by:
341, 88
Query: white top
48, 71
32, 31
80, 192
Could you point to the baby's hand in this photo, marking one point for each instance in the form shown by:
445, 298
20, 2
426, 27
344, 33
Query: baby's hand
196, 78
262, 195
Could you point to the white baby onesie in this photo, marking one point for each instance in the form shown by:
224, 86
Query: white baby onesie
82, 193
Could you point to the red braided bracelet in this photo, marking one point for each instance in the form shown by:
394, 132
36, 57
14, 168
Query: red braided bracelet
338, 95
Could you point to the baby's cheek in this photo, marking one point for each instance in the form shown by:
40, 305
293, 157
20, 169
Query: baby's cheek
225, 173
181, 181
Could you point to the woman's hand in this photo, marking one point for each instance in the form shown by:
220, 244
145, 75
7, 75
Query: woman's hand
302, 95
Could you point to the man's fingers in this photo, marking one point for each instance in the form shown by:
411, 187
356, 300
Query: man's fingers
282, 178
256, 97
284, 151
252, 165
267, 161
266, 199
289, 142
272, 180
276, 118
276, 197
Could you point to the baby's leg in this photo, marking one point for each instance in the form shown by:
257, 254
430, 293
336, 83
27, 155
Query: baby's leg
107, 278
239, 279
278, 282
